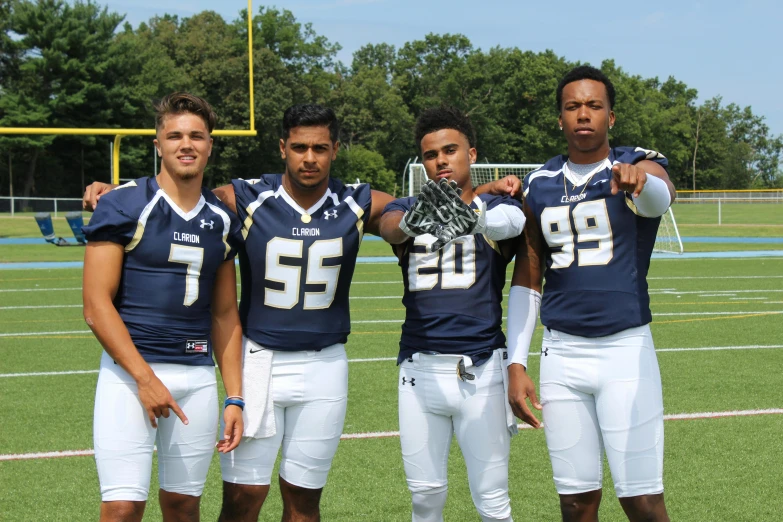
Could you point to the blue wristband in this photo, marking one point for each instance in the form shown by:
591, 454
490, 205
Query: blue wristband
235, 402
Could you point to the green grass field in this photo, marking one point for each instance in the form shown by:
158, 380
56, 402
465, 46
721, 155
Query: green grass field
715, 468
731, 213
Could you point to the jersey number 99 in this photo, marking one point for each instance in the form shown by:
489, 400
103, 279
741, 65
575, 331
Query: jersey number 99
591, 220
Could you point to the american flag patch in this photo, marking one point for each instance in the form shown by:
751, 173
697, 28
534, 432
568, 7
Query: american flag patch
200, 346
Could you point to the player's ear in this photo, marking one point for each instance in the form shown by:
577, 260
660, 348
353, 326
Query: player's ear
335, 149
282, 148
157, 147
560, 120
211, 142
472, 155
611, 118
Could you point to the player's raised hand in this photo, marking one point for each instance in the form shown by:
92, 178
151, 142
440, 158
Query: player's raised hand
508, 186
419, 220
629, 178
521, 388
232, 432
449, 207
93, 193
157, 400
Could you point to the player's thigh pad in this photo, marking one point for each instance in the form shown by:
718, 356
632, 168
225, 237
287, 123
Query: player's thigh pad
185, 451
315, 405
571, 427
253, 460
425, 425
630, 413
483, 437
122, 435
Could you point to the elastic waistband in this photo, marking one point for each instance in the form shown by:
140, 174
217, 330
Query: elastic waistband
555, 335
330, 352
446, 363
160, 369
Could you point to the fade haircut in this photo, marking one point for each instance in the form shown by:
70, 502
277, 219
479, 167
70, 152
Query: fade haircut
444, 117
585, 72
310, 115
178, 103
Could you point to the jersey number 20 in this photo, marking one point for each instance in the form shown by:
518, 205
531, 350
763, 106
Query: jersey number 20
454, 265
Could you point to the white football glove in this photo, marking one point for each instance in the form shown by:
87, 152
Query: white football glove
455, 217
419, 220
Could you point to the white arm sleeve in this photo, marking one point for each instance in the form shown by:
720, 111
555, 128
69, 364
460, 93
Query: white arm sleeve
654, 199
523, 306
502, 222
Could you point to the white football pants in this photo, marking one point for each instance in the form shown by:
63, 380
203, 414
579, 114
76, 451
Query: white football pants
434, 404
310, 393
124, 438
603, 393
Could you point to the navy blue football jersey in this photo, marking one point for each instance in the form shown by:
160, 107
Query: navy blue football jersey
297, 264
453, 297
598, 248
169, 269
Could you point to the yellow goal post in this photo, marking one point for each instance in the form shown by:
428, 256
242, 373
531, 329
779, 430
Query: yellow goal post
119, 133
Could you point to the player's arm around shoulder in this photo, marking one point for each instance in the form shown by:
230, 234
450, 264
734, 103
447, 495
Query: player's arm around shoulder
379, 201
227, 347
227, 196
101, 279
392, 214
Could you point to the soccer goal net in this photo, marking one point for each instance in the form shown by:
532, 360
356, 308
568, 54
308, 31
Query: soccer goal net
667, 241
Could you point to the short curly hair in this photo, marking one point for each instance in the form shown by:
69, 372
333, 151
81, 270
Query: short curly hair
184, 103
585, 72
444, 117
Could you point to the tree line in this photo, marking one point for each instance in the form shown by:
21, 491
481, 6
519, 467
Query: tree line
79, 65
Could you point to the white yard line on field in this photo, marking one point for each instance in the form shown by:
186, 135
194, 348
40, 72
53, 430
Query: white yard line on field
389, 434
39, 306
38, 289
389, 359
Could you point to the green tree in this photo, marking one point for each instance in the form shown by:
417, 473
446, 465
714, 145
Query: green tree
357, 164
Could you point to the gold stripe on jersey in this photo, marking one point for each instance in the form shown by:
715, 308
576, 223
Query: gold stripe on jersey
251, 208
632, 205
142, 221
492, 243
359, 213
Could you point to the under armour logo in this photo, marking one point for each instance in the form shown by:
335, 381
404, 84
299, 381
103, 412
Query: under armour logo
330, 214
190, 346
409, 381
545, 351
204, 224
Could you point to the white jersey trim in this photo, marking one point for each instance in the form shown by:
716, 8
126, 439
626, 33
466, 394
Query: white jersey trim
251, 208
281, 192
187, 216
142, 221
541, 173
226, 226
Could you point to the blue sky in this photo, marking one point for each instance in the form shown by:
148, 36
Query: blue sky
732, 49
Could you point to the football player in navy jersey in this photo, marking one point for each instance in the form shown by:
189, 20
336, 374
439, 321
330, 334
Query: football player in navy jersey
452, 348
160, 296
302, 231
592, 218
